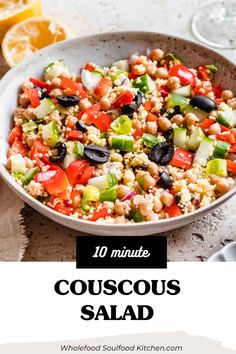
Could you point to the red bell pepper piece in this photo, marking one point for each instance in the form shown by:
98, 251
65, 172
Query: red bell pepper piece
15, 133
173, 210
74, 135
60, 208
206, 123
75, 170
164, 91
87, 174
94, 108
232, 148
41, 84
74, 88
186, 76
101, 120
103, 87
38, 152
34, 97
101, 213
18, 148
75, 197
137, 133
182, 159
227, 136
124, 99
231, 166
217, 91
203, 72
90, 66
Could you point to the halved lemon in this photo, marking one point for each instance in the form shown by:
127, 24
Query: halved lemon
31, 35
14, 11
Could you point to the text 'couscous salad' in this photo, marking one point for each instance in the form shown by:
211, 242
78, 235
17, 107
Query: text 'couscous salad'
143, 140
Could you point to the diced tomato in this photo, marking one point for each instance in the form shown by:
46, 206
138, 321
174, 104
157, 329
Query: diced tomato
64, 195
218, 100
186, 76
231, 166
173, 210
44, 176
18, 148
227, 136
94, 108
182, 159
151, 117
74, 135
137, 133
124, 99
34, 97
75, 198
101, 213
90, 66
75, 170
73, 87
148, 105
63, 209
232, 148
206, 123
70, 124
41, 84
101, 120
57, 183
103, 87
132, 76
203, 88
87, 174
217, 91
164, 91
203, 72
225, 129
38, 151
15, 133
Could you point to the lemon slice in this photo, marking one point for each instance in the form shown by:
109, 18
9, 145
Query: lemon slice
31, 35
14, 11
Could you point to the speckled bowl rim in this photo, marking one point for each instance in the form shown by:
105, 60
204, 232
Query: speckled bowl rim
32, 201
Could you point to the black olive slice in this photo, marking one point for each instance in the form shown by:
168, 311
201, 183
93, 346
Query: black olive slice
165, 181
134, 105
204, 103
61, 152
162, 153
96, 153
81, 126
68, 100
43, 93
168, 134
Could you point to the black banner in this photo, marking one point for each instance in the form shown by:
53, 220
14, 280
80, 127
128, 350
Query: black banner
121, 252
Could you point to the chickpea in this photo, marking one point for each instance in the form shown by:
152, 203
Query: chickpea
162, 214
136, 124
191, 119
29, 113
177, 119
122, 208
161, 73
146, 207
173, 83
24, 99
122, 191
214, 129
55, 92
223, 186
156, 54
9, 163
151, 69
152, 217
138, 69
56, 82
105, 103
227, 95
152, 168
120, 220
148, 182
151, 128
157, 205
214, 179
164, 124
190, 176
84, 104
167, 199
232, 103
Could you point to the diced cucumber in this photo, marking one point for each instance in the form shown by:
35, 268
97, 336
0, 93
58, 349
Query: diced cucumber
50, 133
90, 79
180, 136
79, 148
68, 159
122, 125
28, 127
30, 175
117, 74
112, 179
18, 163
227, 118
136, 216
183, 91
46, 107
195, 139
173, 57
109, 195
122, 143
177, 100
217, 167
104, 182
55, 69
150, 140
198, 112
144, 83
90, 194
213, 69
221, 150
204, 151
123, 64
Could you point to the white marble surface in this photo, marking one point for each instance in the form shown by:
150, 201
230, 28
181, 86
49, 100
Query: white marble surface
199, 240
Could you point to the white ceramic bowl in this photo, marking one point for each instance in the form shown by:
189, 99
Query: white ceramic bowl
226, 254
104, 49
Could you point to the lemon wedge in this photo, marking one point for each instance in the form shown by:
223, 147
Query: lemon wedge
28, 36
14, 11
